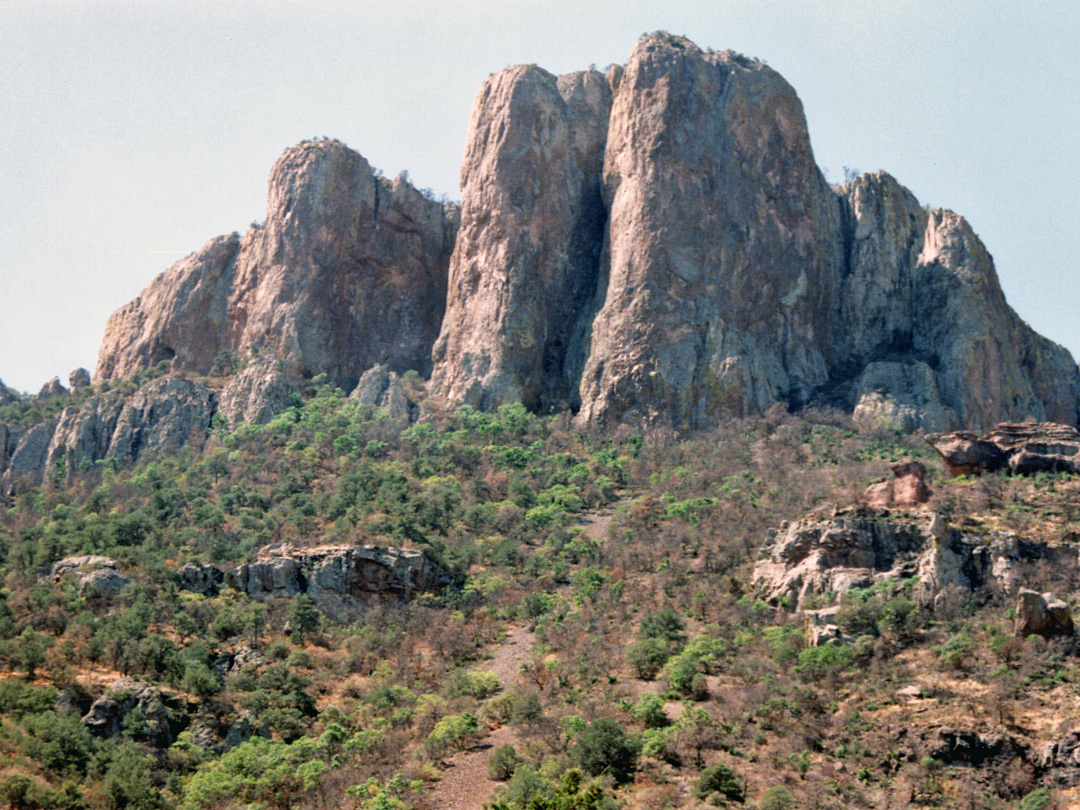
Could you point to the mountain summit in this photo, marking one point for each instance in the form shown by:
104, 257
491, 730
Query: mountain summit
654, 245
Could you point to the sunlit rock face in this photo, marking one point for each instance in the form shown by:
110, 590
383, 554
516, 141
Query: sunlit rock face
348, 271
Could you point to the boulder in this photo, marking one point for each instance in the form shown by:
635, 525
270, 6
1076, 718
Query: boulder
257, 392
84, 434
907, 487
99, 578
79, 379
109, 712
1021, 448
52, 389
349, 270
1041, 614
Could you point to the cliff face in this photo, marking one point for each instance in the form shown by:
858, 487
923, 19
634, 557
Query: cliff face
651, 246
348, 271
723, 244
524, 268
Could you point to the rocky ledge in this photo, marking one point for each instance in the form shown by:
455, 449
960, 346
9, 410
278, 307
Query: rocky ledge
1024, 449
337, 578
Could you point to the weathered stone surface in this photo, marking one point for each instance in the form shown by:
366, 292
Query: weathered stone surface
201, 578
381, 387
84, 434
26, 462
1021, 448
962, 746
337, 577
256, 393
524, 270
99, 577
819, 555
108, 713
246, 726
1041, 614
8, 395
906, 488
724, 247
903, 396
51, 389
349, 271
161, 417
78, 379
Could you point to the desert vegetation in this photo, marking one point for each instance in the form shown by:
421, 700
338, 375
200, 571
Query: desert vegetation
649, 673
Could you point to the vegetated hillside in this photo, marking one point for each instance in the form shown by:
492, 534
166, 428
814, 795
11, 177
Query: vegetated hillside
601, 635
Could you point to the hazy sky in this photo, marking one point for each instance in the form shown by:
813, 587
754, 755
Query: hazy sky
130, 133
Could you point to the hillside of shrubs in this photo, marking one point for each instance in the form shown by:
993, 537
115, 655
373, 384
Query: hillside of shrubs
650, 673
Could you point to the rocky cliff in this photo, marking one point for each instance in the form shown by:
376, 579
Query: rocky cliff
651, 246
348, 271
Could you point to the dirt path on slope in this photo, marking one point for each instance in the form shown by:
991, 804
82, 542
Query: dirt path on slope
464, 784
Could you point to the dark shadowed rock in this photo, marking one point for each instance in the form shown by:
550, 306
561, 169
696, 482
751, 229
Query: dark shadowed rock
201, 578
349, 271
8, 395
108, 713
1021, 448
1041, 614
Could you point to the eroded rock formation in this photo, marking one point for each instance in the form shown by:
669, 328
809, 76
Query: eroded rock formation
653, 246
348, 271
1024, 449
337, 578
857, 548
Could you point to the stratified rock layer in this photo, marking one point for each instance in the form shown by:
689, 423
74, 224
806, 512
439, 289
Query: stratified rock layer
1024, 449
348, 271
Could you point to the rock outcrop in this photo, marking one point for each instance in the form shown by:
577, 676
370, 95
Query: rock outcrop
729, 276
857, 548
257, 392
906, 488
1041, 614
1023, 449
337, 578
382, 387
108, 714
161, 417
653, 246
348, 271
99, 578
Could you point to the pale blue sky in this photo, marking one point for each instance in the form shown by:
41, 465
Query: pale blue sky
130, 133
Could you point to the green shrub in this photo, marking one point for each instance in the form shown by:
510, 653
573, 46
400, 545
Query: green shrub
777, 798
604, 747
720, 779
503, 763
